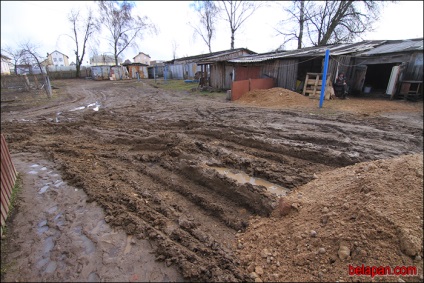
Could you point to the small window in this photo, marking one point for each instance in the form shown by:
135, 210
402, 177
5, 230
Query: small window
54, 59
60, 59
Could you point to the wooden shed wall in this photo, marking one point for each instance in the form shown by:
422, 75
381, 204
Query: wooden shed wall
414, 71
221, 75
283, 71
184, 71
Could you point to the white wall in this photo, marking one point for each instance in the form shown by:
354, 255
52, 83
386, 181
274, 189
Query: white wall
58, 59
5, 70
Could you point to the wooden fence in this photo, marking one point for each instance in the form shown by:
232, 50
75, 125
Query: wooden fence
23, 82
8, 178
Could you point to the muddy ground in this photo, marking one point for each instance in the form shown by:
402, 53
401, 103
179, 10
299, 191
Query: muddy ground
148, 157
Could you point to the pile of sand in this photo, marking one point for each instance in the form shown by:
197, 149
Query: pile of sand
370, 213
275, 97
281, 98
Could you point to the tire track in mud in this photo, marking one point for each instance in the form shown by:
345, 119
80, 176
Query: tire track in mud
146, 159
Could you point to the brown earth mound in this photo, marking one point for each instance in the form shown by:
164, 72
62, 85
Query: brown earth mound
276, 96
369, 213
281, 98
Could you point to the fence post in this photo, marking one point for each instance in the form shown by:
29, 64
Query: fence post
26, 82
48, 87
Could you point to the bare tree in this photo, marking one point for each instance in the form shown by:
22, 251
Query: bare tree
329, 22
84, 27
122, 26
340, 21
31, 55
296, 15
14, 54
237, 12
207, 12
174, 49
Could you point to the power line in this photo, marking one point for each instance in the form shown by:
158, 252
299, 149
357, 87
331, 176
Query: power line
347, 65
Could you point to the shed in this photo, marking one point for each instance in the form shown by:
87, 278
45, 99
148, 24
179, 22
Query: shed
157, 69
394, 68
216, 71
187, 67
289, 68
99, 73
134, 68
118, 73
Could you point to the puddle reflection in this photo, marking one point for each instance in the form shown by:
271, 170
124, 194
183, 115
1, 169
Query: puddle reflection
243, 178
95, 107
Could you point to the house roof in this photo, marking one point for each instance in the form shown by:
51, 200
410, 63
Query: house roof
142, 53
366, 47
210, 55
104, 58
60, 53
5, 57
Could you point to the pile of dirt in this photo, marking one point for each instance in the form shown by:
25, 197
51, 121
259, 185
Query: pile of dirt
369, 213
274, 97
281, 98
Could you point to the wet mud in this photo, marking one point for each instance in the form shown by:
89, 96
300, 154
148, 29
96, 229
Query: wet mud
149, 159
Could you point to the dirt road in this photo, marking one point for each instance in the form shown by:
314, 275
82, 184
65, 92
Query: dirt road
151, 159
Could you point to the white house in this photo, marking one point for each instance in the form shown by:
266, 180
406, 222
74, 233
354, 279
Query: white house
104, 59
142, 58
5, 68
57, 58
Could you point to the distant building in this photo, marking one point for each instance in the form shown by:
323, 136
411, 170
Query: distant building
23, 69
57, 58
142, 58
100, 60
5, 65
157, 62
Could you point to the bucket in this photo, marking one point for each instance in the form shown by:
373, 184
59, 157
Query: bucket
367, 89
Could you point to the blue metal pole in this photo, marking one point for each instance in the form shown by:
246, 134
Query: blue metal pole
324, 78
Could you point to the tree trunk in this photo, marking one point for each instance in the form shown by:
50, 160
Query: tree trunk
232, 39
301, 23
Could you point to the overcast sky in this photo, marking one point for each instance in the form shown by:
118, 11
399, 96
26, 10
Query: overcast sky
44, 22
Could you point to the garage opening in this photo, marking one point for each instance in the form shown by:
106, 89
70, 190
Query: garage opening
377, 77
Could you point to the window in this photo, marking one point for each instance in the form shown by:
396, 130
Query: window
54, 59
60, 59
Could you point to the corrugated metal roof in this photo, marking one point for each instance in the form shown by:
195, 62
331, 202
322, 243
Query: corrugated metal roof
225, 56
210, 55
367, 47
396, 46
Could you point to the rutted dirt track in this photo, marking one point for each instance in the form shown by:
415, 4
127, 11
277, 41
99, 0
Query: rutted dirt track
146, 158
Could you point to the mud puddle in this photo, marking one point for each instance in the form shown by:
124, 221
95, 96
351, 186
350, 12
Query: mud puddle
69, 239
243, 178
96, 106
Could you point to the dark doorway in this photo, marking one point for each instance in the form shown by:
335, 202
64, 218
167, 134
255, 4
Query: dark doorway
377, 76
308, 65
